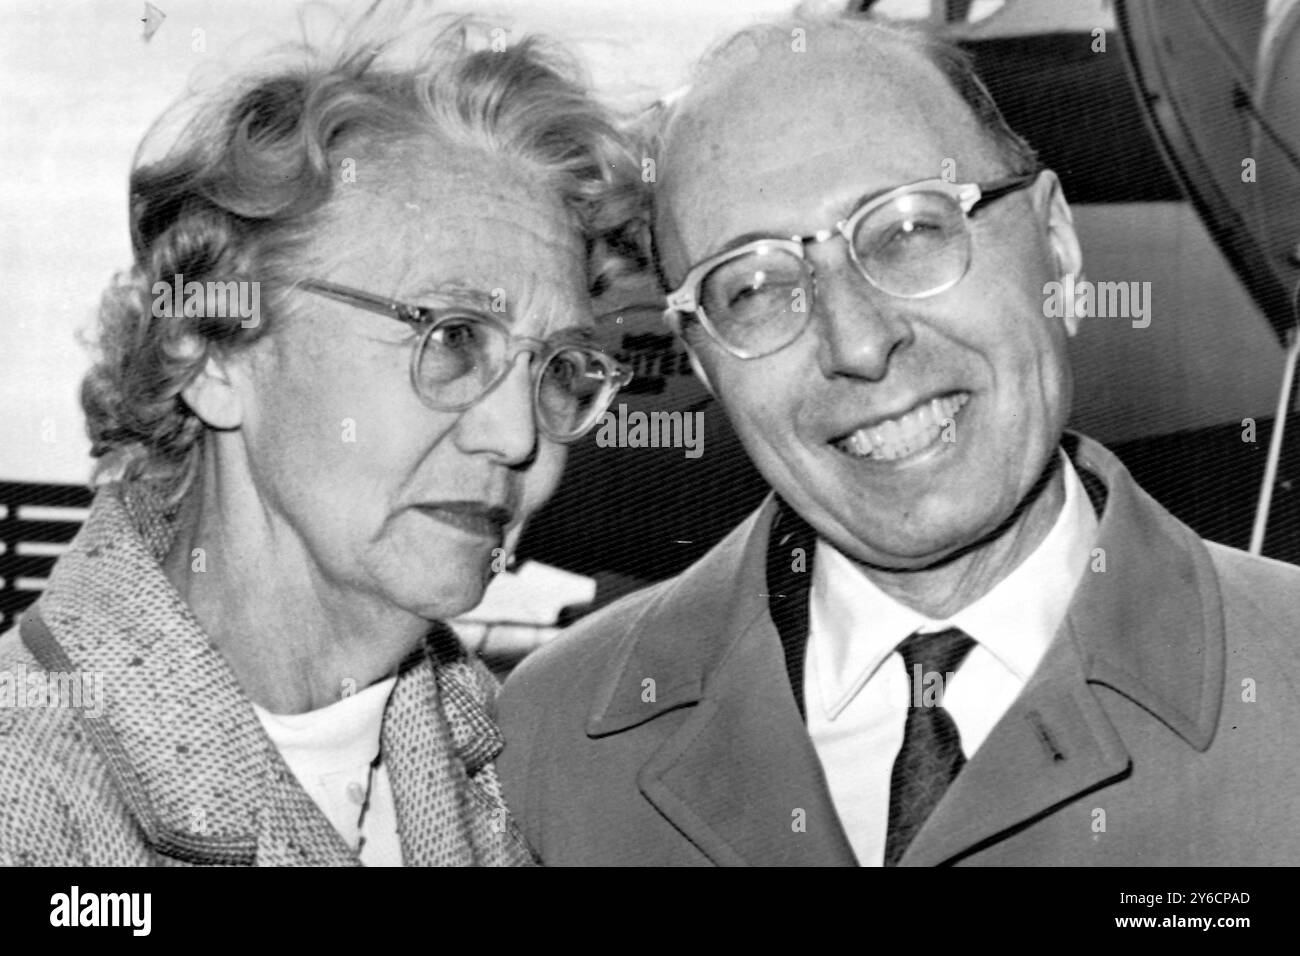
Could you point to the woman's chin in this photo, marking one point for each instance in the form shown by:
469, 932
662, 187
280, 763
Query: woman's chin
453, 595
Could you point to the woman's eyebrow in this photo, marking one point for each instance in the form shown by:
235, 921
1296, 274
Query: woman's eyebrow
472, 296
463, 293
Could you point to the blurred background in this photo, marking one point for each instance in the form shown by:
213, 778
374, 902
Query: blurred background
1147, 110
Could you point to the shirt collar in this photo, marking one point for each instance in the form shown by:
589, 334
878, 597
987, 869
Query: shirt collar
1015, 621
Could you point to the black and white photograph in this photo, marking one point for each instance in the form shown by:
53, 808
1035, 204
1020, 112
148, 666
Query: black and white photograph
589, 433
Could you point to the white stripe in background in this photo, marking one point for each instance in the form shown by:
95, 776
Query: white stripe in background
51, 513
39, 549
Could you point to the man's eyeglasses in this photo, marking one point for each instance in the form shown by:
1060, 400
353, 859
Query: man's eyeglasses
912, 242
460, 355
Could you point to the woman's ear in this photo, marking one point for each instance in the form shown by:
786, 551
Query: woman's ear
214, 394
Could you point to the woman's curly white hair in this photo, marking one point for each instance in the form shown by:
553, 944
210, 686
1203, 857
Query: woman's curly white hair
244, 183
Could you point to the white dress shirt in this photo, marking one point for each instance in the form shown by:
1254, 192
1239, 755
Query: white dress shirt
855, 685
330, 750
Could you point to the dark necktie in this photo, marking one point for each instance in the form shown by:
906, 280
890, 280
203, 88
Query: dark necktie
931, 755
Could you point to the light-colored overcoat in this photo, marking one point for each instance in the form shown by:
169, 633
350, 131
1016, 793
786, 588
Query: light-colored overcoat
1162, 726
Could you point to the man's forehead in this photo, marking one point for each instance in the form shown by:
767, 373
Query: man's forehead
772, 129
840, 84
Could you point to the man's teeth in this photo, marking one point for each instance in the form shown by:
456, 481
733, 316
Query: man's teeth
907, 434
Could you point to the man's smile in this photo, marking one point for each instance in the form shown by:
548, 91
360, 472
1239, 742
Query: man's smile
905, 434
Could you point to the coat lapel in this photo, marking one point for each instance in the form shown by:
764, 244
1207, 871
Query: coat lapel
739, 776
293, 831
439, 742
1149, 626
186, 751
1054, 744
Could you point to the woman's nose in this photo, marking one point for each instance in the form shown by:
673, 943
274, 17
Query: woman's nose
503, 422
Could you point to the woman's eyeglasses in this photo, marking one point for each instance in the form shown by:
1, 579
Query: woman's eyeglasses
460, 355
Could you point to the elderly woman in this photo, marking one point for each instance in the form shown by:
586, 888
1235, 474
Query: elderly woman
338, 378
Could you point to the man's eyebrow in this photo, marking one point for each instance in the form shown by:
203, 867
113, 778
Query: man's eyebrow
745, 238
872, 196
758, 236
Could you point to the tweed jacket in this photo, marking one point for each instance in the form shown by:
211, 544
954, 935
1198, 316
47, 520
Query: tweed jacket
166, 762
1161, 727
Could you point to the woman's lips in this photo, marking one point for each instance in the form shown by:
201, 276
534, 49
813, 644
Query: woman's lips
472, 517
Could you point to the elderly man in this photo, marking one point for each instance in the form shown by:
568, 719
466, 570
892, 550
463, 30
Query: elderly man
954, 633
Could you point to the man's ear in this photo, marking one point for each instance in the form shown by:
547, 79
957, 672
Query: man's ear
214, 395
1064, 242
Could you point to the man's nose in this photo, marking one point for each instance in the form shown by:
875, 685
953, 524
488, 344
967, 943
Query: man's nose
859, 327
502, 423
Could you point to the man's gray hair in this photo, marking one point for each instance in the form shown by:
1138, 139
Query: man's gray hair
237, 191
